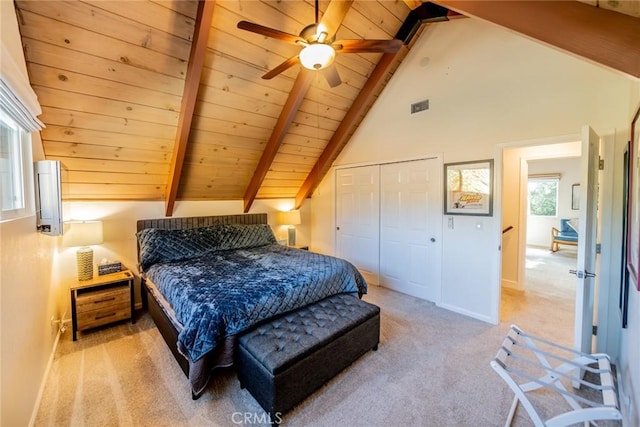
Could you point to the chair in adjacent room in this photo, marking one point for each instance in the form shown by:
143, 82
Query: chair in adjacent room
566, 235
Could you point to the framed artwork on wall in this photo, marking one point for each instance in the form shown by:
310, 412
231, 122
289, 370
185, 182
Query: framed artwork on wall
468, 188
633, 208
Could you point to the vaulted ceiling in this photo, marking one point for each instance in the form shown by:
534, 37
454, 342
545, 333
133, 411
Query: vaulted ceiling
165, 100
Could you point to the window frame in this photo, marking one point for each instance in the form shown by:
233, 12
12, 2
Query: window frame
21, 157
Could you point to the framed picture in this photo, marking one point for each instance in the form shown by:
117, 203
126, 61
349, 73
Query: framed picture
633, 209
575, 197
468, 188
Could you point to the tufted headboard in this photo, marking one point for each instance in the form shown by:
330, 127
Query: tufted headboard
197, 222
200, 221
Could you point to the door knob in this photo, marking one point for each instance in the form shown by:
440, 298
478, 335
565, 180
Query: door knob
582, 274
433, 239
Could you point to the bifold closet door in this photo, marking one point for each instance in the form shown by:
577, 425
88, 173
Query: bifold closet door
411, 228
358, 218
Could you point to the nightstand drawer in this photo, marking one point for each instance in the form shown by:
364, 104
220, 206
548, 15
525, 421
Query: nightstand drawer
104, 315
102, 299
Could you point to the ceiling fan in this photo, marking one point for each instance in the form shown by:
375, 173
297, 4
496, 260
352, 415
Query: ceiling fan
319, 45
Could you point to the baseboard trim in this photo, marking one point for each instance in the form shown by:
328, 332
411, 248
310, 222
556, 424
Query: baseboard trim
625, 399
512, 284
468, 313
45, 377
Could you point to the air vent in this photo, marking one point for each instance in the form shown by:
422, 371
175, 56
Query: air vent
419, 106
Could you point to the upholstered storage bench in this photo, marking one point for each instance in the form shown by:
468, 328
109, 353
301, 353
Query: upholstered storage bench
283, 361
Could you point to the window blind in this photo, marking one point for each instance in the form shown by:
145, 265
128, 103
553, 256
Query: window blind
545, 176
17, 110
17, 98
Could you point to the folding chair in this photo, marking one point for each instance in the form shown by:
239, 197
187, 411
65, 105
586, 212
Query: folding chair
515, 360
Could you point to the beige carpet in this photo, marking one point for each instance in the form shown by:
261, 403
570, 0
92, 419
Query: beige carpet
547, 273
548, 301
431, 369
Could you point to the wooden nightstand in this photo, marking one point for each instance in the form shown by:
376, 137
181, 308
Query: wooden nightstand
102, 300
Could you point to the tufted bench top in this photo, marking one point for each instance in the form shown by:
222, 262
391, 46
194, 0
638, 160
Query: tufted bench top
283, 341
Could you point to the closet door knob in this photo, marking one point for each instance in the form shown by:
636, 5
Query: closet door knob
433, 239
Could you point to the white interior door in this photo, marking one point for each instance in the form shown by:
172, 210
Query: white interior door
586, 264
358, 218
410, 228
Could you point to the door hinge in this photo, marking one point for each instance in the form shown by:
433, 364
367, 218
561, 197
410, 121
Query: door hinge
601, 164
594, 330
598, 248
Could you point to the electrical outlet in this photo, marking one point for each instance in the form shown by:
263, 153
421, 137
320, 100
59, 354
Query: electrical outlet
59, 324
55, 327
63, 326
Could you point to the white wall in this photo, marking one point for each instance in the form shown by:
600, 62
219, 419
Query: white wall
486, 87
29, 298
539, 228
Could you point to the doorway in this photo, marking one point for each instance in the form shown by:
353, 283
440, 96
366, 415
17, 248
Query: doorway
553, 207
538, 293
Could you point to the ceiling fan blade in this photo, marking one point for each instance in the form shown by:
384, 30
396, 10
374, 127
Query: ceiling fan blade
332, 76
367, 46
334, 15
282, 67
270, 32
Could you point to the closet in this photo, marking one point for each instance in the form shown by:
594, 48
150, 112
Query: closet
389, 224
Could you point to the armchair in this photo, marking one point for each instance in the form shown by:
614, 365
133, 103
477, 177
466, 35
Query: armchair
566, 235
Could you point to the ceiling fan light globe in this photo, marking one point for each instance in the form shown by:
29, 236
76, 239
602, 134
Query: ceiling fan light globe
317, 56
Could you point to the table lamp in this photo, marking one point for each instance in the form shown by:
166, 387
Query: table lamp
290, 218
83, 234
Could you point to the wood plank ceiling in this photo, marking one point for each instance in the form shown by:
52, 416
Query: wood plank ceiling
110, 76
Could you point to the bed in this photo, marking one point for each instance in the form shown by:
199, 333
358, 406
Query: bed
206, 280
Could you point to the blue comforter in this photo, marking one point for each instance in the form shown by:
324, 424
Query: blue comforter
222, 292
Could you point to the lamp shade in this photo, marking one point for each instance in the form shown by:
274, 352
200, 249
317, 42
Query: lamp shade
83, 233
317, 56
289, 218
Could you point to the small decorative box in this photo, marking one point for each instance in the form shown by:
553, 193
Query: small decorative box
109, 267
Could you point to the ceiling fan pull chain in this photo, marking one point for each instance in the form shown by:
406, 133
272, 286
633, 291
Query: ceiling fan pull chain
316, 11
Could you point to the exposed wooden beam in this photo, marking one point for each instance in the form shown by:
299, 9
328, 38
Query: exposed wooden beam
344, 130
600, 35
331, 21
289, 111
424, 13
190, 93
